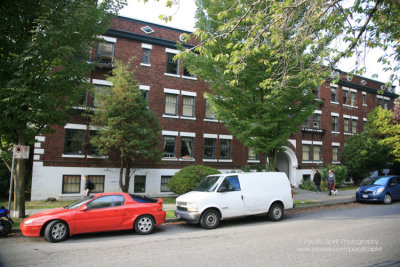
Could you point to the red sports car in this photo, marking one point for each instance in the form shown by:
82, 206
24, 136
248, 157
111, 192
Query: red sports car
99, 212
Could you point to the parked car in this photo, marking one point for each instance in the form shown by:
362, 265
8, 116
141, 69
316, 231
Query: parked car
223, 196
379, 189
100, 212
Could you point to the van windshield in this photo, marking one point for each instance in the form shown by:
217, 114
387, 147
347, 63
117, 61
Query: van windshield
209, 184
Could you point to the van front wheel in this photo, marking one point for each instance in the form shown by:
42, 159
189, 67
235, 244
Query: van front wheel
210, 219
276, 212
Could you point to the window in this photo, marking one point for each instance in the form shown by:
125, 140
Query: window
354, 128
187, 106
333, 94
230, 183
380, 102
106, 202
146, 56
98, 181
186, 147
74, 141
98, 92
171, 101
318, 92
386, 104
209, 148
172, 65
306, 152
164, 183
317, 152
335, 153
346, 125
317, 121
353, 98
346, 97
147, 29
93, 150
209, 113
140, 184
225, 149
252, 154
307, 123
364, 99
71, 184
169, 146
186, 72
105, 52
335, 127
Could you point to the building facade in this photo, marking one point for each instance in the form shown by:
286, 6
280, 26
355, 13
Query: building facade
190, 132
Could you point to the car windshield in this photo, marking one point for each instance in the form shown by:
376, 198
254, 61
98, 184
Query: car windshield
381, 181
208, 184
368, 181
79, 203
375, 181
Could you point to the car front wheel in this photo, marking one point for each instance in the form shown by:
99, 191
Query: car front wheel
210, 219
387, 199
144, 225
56, 231
5, 227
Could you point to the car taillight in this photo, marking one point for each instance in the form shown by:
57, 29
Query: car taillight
292, 193
160, 207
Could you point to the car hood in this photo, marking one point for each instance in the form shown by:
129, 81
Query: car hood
371, 187
193, 196
52, 212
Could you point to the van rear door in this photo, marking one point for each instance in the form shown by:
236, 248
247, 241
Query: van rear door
230, 198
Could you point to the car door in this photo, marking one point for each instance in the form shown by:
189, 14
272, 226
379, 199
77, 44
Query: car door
230, 198
394, 187
104, 213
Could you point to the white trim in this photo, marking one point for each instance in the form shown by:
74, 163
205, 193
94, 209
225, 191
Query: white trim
108, 39
40, 138
334, 85
210, 160
144, 87
102, 82
386, 98
171, 91
336, 103
214, 136
38, 163
225, 160
353, 90
147, 46
365, 119
306, 142
38, 151
346, 116
36, 157
334, 114
172, 75
187, 134
83, 127
335, 144
170, 159
317, 111
318, 143
172, 51
379, 96
293, 142
73, 156
173, 133
223, 136
170, 116
97, 157
188, 118
38, 144
253, 161
188, 159
354, 117
210, 120
187, 93
189, 78
334, 132
145, 65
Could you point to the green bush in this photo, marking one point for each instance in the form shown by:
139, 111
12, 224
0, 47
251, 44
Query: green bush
340, 171
189, 177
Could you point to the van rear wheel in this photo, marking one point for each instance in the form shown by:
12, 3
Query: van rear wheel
276, 212
210, 219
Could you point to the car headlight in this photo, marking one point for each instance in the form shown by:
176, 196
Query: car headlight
191, 206
29, 221
380, 190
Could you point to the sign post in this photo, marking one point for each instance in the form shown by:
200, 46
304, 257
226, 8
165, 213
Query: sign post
19, 152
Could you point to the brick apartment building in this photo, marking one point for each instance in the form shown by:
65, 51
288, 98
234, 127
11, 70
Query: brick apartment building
190, 132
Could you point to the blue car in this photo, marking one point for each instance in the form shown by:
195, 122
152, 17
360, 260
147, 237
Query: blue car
379, 189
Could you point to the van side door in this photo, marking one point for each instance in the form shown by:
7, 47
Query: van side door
230, 198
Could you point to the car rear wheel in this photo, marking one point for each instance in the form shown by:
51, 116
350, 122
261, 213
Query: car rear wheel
5, 227
387, 199
144, 225
210, 219
56, 231
276, 212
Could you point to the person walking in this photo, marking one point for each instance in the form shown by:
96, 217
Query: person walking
88, 186
331, 181
317, 181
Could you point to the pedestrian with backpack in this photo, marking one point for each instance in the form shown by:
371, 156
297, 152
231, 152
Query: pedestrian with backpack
88, 186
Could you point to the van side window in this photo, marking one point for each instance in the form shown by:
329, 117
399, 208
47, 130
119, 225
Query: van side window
232, 183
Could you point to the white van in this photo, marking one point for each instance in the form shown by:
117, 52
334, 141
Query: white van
223, 196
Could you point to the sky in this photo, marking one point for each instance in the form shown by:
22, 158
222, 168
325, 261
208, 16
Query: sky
184, 18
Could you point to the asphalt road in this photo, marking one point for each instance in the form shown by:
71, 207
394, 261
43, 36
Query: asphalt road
343, 235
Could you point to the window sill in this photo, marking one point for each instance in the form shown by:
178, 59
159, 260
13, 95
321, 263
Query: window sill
348, 134
186, 159
335, 162
333, 102
145, 65
307, 162
170, 159
73, 156
225, 160
188, 118
189, 78
210, 160
97, 157
170, 116
253, 161
210, 120
349, 106
172, 75
335, 132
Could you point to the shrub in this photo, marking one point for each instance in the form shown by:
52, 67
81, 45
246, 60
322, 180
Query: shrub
340, 171
189, 177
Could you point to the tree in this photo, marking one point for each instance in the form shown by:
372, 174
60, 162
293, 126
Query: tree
189, 177
383, 125
362, 154
129, 128
44, 62
264, 100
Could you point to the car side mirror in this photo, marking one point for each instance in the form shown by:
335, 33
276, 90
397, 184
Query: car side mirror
392, 184
83, 208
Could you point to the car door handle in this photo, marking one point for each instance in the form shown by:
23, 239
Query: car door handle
242, 197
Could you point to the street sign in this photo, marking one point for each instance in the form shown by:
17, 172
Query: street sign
21, 152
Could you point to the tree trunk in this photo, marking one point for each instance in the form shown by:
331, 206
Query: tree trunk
127, 176
121, 174
272, 158
19, 182
124, 183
